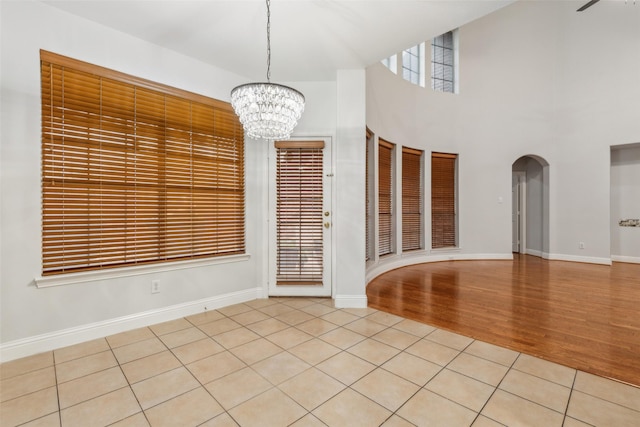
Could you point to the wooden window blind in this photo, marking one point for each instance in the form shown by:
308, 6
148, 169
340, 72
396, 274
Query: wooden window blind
135, 172
299, 205
443, 200
367, 188
411, 199
385, 197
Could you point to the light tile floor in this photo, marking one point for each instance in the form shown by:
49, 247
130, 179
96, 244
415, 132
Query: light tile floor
301, 362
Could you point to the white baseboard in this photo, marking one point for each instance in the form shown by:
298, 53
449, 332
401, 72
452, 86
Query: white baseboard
624, 258
572, 258
350, 301
53, 340
396, 262
535, 252
575, 258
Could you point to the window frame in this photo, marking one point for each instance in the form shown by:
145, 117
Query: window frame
449, 61
55, 272
386, 198
299, 207
391, 62
416, 57
444, 200
370, 197
412, 199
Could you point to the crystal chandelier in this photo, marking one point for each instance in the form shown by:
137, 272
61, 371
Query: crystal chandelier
267, 110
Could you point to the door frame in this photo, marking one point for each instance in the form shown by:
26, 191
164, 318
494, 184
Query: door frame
521, 218
328, 287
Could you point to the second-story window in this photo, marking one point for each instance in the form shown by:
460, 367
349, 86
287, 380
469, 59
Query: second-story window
442, 63
391, 63
412, 64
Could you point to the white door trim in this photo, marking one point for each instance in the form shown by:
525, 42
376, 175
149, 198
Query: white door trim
522, 207
326, 290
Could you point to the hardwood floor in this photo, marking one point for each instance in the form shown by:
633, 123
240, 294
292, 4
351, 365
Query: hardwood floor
584, 316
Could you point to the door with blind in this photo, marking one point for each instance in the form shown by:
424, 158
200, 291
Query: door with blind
300, 218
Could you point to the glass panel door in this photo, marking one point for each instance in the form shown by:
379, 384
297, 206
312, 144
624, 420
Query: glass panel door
301, 225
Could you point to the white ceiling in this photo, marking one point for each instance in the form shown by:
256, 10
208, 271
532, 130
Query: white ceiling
310, 39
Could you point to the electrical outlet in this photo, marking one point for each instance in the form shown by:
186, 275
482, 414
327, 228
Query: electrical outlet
155, 286
581, 245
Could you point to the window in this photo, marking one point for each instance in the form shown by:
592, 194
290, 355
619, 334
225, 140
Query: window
412, 64
385, 197
391, 63
299, 196
443, 200
411, 199
369, 198
135, 172
442, 63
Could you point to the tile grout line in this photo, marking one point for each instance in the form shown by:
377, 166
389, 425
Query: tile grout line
203, 386
401, 351
496, 388
55, 373
297, 327
566, 409
128, 382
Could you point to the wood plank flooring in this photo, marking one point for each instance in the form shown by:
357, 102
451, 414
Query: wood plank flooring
584, 316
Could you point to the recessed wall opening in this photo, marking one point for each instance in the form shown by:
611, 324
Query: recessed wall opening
530, 206
625, 203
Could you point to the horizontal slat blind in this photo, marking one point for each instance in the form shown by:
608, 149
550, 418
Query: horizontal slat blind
443, 200
299, 212
385, 197
411, 199
367, 206
133, 173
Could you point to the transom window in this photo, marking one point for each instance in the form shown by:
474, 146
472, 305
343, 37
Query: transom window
391, 63
442, 63
412, 64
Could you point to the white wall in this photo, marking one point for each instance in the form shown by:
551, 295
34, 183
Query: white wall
69, 312
536, 78
625, 202
350, 187
27, 311
598, 93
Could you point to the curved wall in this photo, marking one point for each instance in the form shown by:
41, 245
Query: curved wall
536, 78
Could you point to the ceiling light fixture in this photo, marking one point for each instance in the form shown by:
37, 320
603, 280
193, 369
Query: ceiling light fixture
267, 110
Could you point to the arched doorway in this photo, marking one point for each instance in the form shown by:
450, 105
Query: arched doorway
530, 206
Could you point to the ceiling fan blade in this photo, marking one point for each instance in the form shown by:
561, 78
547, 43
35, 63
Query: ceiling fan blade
588, 5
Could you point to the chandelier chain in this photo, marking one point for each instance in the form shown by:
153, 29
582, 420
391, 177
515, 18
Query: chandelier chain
268, 40
267, 110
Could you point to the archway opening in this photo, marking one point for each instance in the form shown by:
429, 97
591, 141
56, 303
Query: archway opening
530, 205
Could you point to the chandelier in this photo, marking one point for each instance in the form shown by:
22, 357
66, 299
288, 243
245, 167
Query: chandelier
267, 110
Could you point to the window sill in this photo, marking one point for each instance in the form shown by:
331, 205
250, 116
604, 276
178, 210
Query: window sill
92, 276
